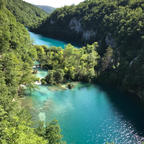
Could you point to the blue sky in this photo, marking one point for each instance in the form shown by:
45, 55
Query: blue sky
54, 3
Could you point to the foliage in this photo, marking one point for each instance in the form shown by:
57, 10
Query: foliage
16, 51
69, 64
26, 13
51, 132
16, 60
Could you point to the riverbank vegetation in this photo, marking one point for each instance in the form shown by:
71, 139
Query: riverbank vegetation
17, 56
69, 64
73, 64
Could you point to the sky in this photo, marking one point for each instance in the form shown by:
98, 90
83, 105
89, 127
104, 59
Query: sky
54, 3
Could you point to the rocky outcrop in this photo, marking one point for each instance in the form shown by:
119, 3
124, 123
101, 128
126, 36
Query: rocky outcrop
88, 34
51, 21
75, 25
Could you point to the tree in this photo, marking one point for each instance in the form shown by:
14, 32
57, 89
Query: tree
58, 76
107, 58
51, 132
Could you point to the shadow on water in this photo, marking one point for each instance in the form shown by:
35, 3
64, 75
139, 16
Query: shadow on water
45, 40
84, 85
129, 106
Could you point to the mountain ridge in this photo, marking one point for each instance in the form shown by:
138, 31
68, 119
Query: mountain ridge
47, 9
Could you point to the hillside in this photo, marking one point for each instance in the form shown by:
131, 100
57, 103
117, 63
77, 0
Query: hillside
115, 24
47, 9
17, 56
26, 13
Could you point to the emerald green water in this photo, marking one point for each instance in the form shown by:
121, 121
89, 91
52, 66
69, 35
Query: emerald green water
89, 114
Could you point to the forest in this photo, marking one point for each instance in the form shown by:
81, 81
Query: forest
25, 13
115, 24
73, 64
17, 57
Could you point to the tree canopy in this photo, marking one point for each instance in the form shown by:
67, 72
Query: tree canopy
26, 13
17, 56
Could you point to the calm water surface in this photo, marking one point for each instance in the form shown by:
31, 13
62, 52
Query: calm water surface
88, 114
41, 40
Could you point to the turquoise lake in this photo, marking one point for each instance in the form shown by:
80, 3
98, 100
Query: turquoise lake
88, 114
41, 40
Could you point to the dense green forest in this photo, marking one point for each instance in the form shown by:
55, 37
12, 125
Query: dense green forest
69, 64
72, 64
26, 13
115, 24
16, 60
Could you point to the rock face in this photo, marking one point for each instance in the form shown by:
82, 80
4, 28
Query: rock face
88, 34
75, 25
51, 21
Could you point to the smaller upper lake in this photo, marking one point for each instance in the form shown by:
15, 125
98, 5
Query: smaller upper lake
41, 40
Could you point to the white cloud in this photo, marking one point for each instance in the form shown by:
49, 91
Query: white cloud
54, 3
